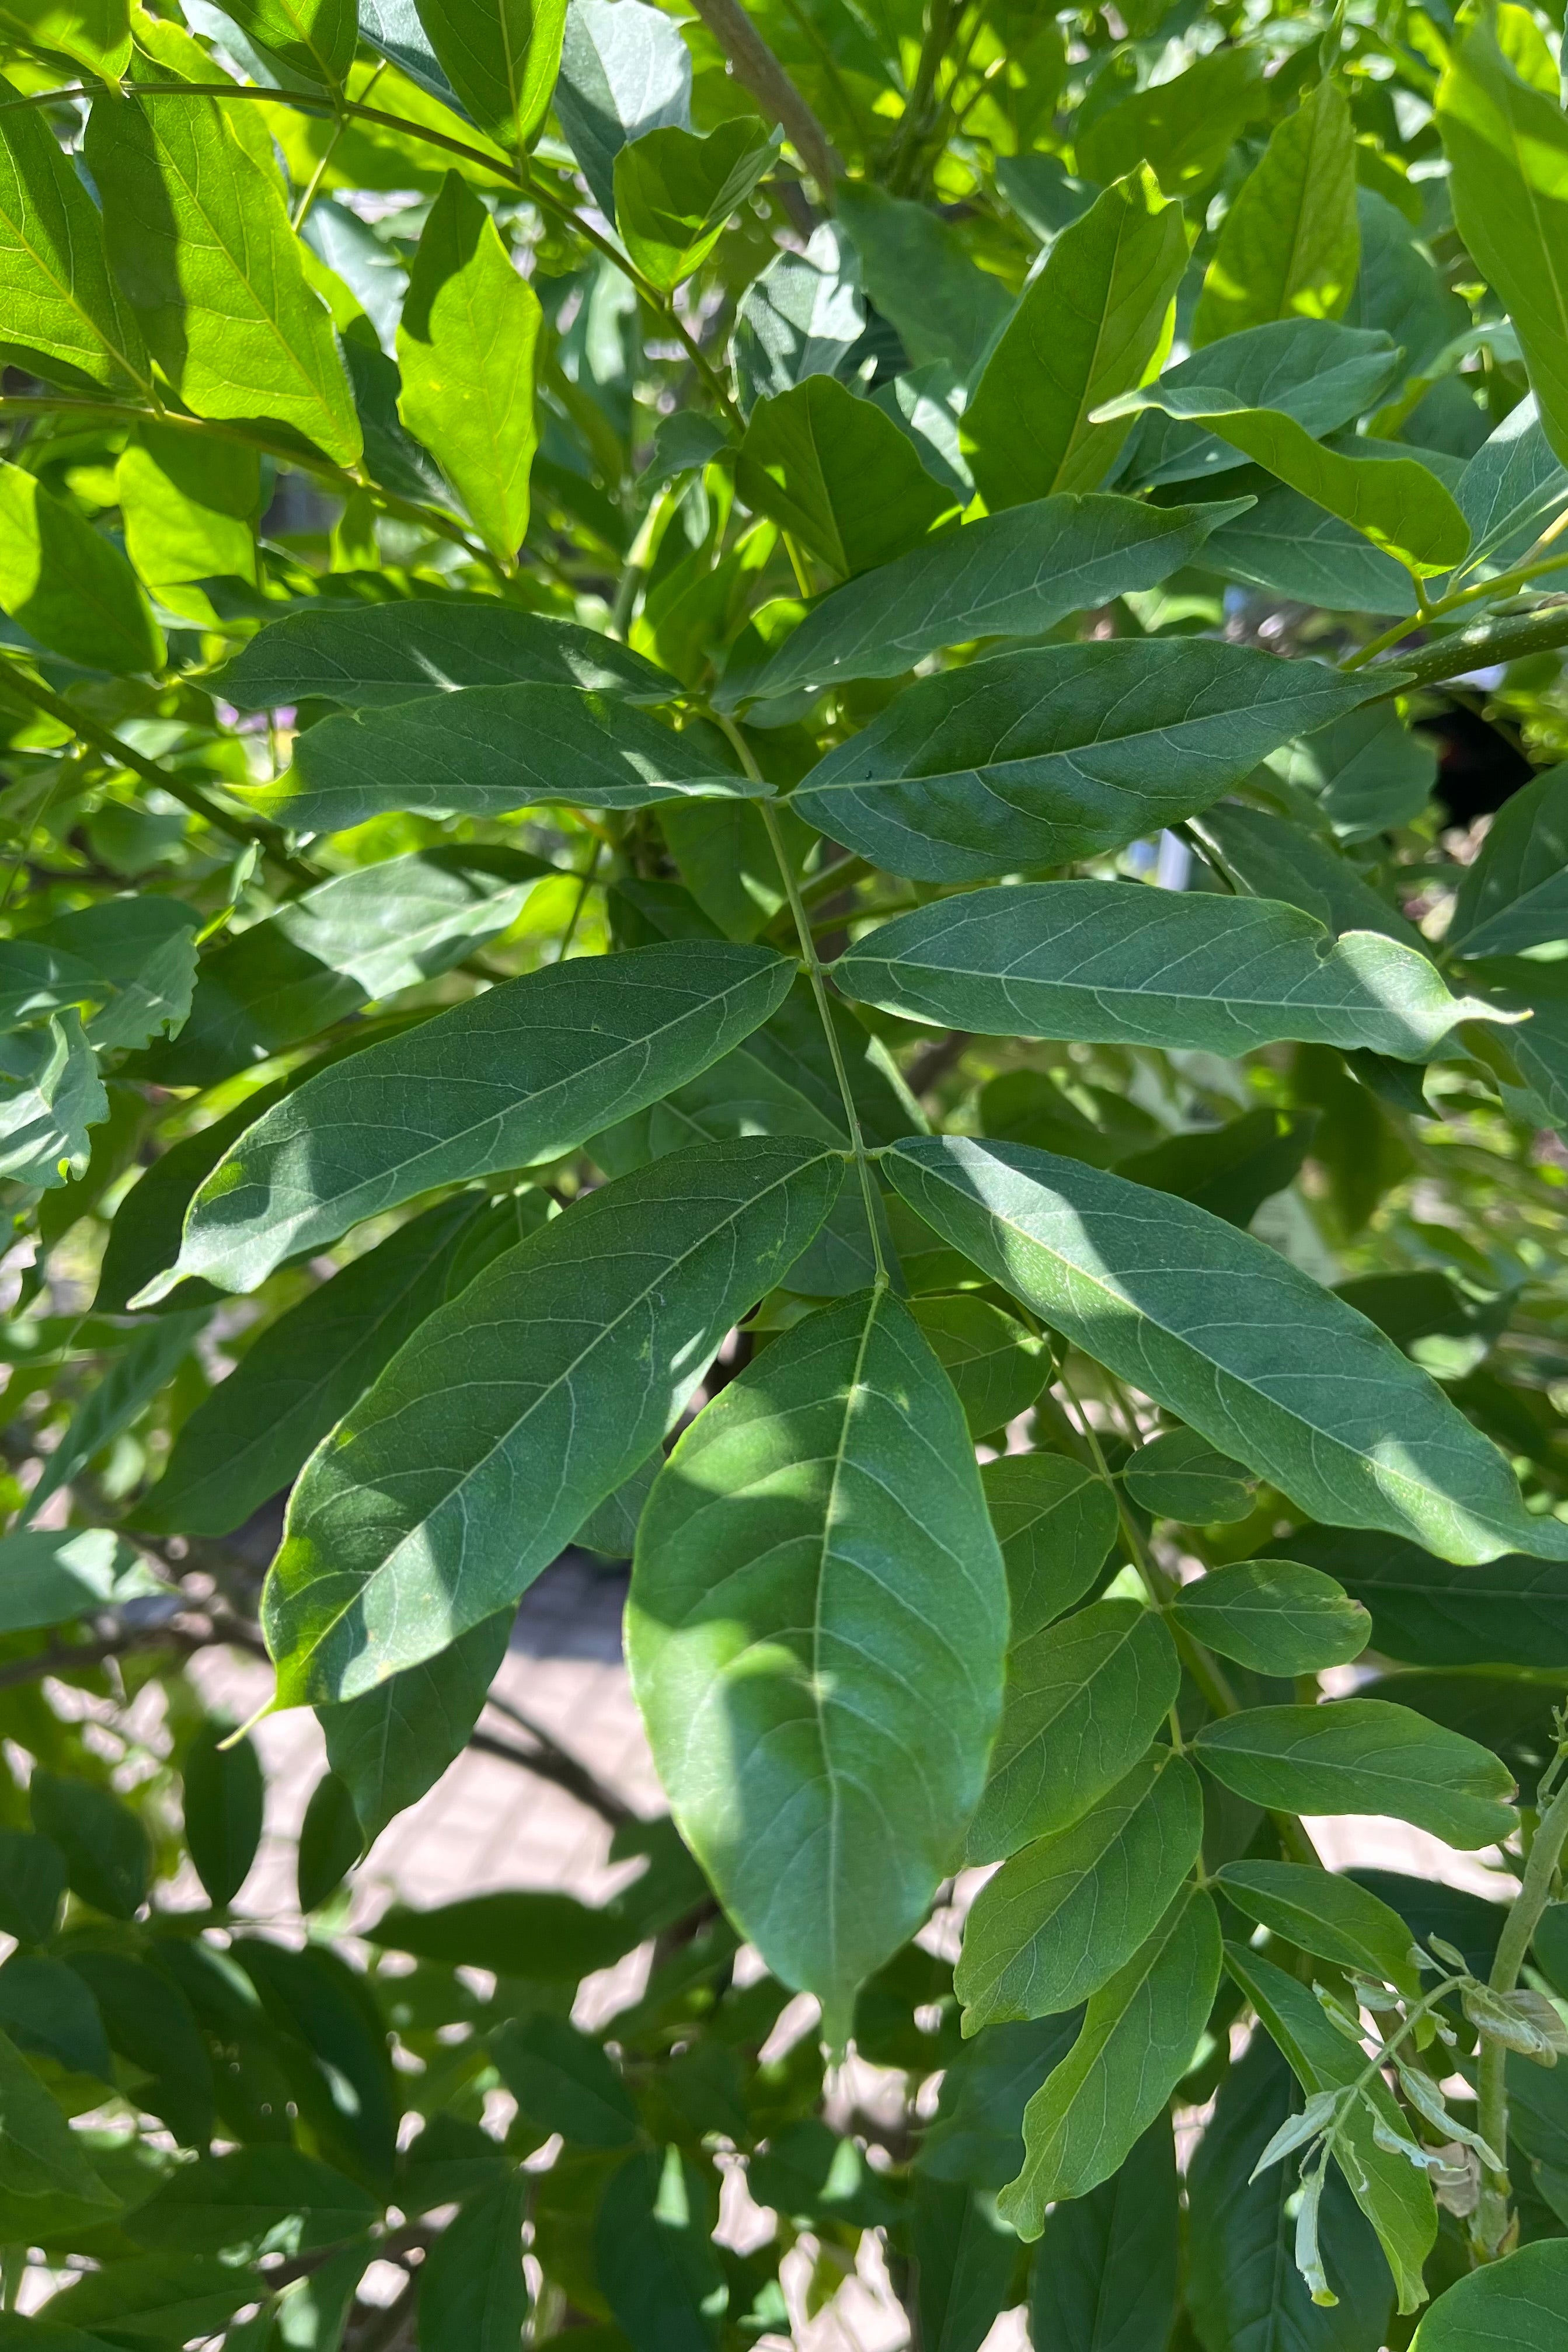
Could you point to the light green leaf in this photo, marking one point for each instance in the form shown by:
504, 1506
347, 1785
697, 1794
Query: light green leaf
1107, 2269
188, 504
61, 311
50, 1094
466, 346
1084, 1698
675, 193
1056, 1522
1064, 1913
564, 2083
1510, 490
1367, 771
1139, 2035
366, 656
314, 37
47, 1579
554, 1374
40, 2155
473, 2295
199, 240
143, 953
1190, 1310
1180, 1477
1033, 758
1515, 895
69, 586
1513, 2305
249, 1434
251, 2198
822, 1732
483, 750
1395, 2197
1319, 1912
1275, 1615
1398, 503
516, 1076
502, 57
356, 937
1320, 373
1113, 965
836, 471
996, 1366
915, 268
1362, 1756
1012, 575
1501, 121
390, 1745
624, 70
1097, 321
1290, 244
95, 33
1182, 128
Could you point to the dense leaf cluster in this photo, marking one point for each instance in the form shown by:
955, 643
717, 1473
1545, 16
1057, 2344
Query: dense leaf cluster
785, 794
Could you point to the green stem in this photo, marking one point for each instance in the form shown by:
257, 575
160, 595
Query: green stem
581, 900
1532, 633
15, 680
1491, 2094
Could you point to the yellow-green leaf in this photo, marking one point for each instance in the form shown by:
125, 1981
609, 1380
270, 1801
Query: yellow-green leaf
1290, 244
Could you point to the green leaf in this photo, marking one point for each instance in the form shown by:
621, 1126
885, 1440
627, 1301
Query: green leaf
1394, 2197
1319, 1912
1367, 771
159, 2298
312, 2314
143, 951
483, 750
1229, 1171
1105, 2275
675, 193
223, 1800
1268, 858
1428, 1613
466, 346
1515, 2305
654, 2260
1012, 575
593, 1333
45, 2007
1064, 1913
1322, 374
962, 2259
564, 2083
916, 270
107, 1859
546, 1938
1242, 2287
1362, 1756
1183, 129
1290, 244
125, 1390
726, 857
834, 471
502, 57
1180, 1477
1138, 2034
1501, 123
63, 315
1288, 547
31, 1885
366, 656
1397, 287
249, 1436
1344, 1423
978, 2133
802, 317
1033, 758
473, 2295
40, 2155
1398, 503
189, 507
624, 71
1275, 1615
1083, 1701
1112, 965
1095, 321
1512, 488
314, 37
67, 585
95, 33
997, 1368
252, 2200
1056, 1522
1515, 895
822, 1777
199, 241
48, 1579
517, 1076
331, 1839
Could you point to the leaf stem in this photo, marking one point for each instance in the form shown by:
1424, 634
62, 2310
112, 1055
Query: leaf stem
1491, 2087
1511, 640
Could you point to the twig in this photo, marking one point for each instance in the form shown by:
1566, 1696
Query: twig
935, 1061
756, 65
548, 1761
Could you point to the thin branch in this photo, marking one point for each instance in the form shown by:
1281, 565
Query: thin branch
548, 1761
757, 66
1479, 649
933, 1062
